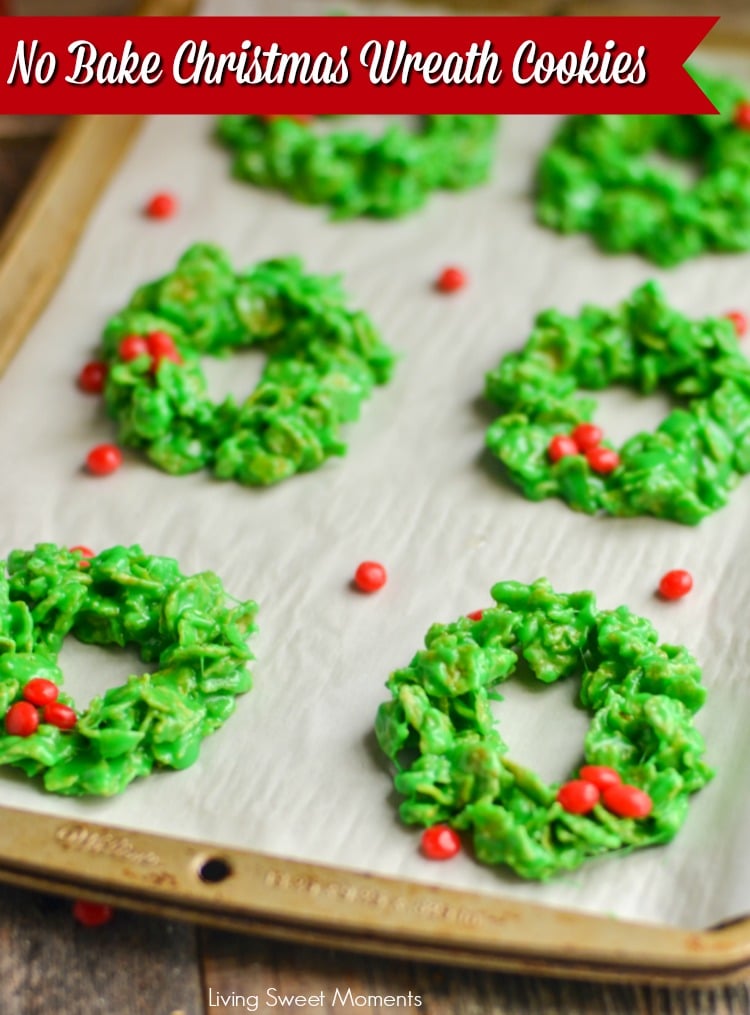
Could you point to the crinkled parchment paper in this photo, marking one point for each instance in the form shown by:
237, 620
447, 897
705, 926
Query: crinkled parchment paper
296, 772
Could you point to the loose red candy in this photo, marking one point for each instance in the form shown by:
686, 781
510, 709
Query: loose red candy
627, 801
450, 280
92, 914
675, 584
57, 714
600, 775
560, 447
104, 459
578, 796
162, 206
40, 691
602, 460
21, 719
742, 115
131, 347
739, 320
440, 842
370, 576
587, 436
475, 615
92, 377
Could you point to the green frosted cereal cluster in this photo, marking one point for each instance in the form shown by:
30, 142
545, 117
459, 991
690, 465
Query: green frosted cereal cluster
357, 174
687, 467
185, 625
323, 362
596, 177
452, 763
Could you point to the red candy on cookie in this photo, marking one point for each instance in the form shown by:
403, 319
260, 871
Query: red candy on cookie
627, 801
587, 436
131, 347
739, 320
561, 446
600, 775
440, 842
40, 691
57, 714
578, 796
21, 719
742, 116
602, 460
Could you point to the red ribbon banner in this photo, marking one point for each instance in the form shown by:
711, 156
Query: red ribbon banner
316, 65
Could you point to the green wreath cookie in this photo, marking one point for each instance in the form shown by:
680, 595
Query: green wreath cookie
185, 625
357, 174
452, 762
323, 362
596, 177
685, 469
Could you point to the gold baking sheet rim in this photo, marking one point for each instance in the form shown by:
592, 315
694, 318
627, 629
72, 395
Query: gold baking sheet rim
269, 895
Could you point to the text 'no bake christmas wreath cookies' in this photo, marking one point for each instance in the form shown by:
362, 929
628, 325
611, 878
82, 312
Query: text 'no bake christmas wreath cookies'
323, 362
187, 626
685, 469
596, 177
642, 756
357, 174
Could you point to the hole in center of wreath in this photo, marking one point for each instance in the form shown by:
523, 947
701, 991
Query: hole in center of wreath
687, 171
542, 724
90, 670
622, 413
237, 375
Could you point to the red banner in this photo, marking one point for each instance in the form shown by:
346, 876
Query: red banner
321, 65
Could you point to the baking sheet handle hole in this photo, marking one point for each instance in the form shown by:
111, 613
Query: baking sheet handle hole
213, 870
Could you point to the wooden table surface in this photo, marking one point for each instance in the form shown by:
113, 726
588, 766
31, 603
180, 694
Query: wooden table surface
138, 964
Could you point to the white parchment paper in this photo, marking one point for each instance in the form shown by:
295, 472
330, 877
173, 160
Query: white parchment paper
296, 771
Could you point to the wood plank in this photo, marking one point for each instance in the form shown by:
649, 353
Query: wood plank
249, 967
19, 157
81, 8
733, 30
734, 13
49, 963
